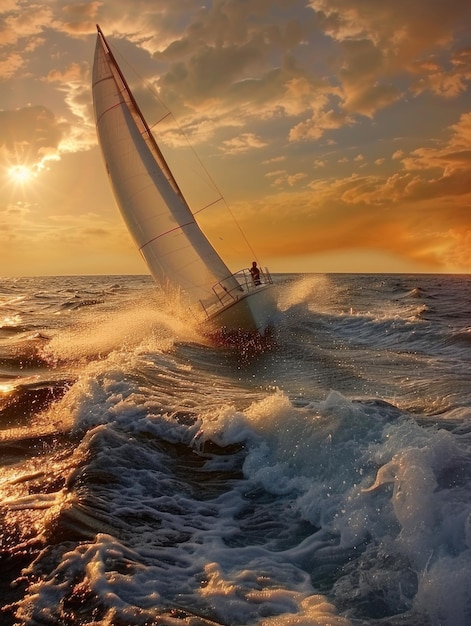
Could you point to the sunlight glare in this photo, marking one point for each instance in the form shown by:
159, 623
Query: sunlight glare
20, 173
6, 388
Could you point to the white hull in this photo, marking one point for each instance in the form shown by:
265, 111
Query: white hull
253, 312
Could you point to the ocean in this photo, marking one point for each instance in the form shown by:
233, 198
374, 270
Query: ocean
149, 477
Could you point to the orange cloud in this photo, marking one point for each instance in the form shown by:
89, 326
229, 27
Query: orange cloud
242, 143
433, 76
380, 41
280, 100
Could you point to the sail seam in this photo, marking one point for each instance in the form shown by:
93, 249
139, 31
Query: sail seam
167, 232
109, 109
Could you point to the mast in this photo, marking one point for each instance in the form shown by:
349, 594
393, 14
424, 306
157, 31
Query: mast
137, 111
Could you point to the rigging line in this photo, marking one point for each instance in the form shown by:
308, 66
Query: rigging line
208, 205
161, 120
216, 188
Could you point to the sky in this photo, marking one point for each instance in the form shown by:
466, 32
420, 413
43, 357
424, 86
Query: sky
337, 131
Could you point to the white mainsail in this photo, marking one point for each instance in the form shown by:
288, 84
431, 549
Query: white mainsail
152, 205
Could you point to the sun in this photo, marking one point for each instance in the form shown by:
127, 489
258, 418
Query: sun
21, 173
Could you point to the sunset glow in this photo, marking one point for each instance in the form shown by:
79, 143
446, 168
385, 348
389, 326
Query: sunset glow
338, 131
20, 173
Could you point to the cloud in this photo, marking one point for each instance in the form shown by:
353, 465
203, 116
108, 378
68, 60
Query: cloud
452, 159
340, 216
316, 126
461, 137
282, 178
74, 82
232, 61
79, 17
276, 159
380, 42
419, 213
10, 65
29, 135
242, 143
397, 27
19, 23
33, 242
398, 154
317, 82
447, 81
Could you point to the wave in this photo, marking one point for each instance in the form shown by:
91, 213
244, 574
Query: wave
24, 400
81, 302
299, 494
417, 292
323, 481
462, 336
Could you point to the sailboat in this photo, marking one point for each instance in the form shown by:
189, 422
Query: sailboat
177, 252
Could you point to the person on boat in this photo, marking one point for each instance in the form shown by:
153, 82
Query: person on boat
255, 274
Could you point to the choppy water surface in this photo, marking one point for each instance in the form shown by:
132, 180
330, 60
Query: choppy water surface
148, 477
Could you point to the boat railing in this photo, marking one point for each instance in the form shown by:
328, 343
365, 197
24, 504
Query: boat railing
248, 283
226, 292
